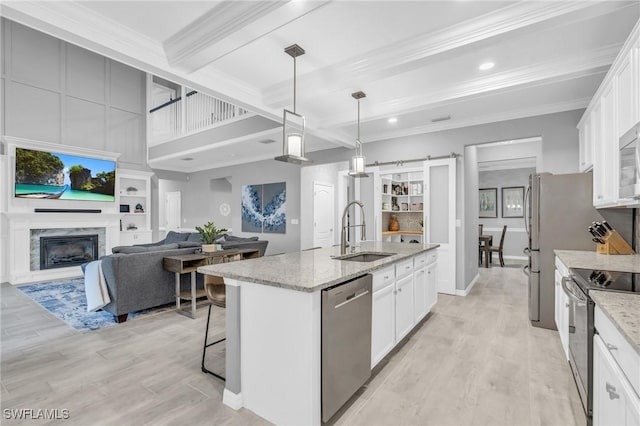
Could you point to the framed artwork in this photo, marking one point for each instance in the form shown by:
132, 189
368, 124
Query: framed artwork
488, 202
513, 201
264, 208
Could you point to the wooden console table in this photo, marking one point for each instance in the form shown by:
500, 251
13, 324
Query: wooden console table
189, 264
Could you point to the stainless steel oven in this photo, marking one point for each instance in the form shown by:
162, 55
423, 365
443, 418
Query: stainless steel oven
581, 332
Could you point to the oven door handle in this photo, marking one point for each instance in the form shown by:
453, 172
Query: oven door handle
580, 300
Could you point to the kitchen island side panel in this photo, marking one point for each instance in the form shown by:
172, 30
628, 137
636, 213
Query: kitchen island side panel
280, 353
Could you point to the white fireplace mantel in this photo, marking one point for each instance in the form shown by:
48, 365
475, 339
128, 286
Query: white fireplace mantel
19, 250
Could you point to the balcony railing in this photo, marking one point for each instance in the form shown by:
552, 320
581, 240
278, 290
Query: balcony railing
196, 112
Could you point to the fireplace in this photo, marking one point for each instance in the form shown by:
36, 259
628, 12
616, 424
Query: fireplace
67, 250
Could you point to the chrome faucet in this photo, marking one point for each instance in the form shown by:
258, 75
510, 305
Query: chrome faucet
343, 233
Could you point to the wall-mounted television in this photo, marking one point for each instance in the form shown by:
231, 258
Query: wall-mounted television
53, 175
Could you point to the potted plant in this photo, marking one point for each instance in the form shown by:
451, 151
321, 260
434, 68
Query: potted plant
208, 233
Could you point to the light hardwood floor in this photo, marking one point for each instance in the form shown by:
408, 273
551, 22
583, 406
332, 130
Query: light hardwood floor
475, 361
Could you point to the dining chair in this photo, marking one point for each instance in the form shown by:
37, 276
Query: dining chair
480, 245
499, 248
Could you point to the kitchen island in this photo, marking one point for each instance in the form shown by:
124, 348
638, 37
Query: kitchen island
273, 325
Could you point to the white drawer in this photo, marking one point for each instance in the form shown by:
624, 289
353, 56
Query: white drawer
383, 278
404, 268
621, 350
419, 261
432, 256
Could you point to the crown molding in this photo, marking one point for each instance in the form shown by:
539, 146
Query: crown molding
230, 26
484, 119
384, 62
72, 22
185, 48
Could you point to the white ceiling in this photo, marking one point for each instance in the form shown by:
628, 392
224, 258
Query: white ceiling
415, 60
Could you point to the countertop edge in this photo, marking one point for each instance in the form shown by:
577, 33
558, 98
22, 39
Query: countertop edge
384, 263
604, 307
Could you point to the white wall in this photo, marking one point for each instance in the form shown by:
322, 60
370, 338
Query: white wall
197, 202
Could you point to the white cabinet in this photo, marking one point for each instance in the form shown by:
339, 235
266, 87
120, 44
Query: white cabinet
420, 294
627, 92
614, 401
139, 237
403, 294
134, 195
404, 307
383, 312
425, 283
586, 144
562, 306
432, 285
562, 314
614, 109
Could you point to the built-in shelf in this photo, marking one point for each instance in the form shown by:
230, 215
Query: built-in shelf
391, 233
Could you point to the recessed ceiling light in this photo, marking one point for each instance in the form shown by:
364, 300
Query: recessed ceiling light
486, 66
187, 159
392, 120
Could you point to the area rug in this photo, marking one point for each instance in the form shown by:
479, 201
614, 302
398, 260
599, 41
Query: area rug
66, 300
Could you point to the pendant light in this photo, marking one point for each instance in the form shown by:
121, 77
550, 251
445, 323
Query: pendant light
357, 161
292, 122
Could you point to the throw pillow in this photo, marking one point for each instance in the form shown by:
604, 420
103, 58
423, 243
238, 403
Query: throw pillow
189, 244
176, 237
233, 238
194, 237
135, 249
220, 240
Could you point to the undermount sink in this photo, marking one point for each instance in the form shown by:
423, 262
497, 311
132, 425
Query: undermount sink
368, 256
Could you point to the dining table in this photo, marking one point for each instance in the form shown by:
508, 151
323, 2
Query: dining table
485, 242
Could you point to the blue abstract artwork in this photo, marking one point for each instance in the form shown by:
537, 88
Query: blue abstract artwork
264, 208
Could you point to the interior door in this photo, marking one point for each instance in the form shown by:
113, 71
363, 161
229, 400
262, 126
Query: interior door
440, 218
173, 210
323, 214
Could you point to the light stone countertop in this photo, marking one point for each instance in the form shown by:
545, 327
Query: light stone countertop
606, 262
623, 309
313, 270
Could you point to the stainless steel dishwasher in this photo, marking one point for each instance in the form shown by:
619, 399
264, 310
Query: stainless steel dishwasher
346, 342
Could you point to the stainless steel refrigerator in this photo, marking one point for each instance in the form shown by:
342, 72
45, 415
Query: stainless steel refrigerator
559, 211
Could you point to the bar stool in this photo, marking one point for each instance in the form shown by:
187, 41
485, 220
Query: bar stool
215, 290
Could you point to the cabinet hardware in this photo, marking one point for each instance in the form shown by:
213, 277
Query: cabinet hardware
612, 347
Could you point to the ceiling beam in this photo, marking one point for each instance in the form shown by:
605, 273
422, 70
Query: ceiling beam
566, 68
399, 57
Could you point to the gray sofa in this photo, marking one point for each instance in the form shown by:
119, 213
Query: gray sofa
137, 280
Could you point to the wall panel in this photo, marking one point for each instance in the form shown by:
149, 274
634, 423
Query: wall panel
127, 88
85, 74
85, 124
35, 58
32, 113
126, 136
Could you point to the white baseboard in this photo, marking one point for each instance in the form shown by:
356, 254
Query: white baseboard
469, 287
233, 400
516, 257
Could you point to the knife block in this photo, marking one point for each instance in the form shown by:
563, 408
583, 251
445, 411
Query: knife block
614, 244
